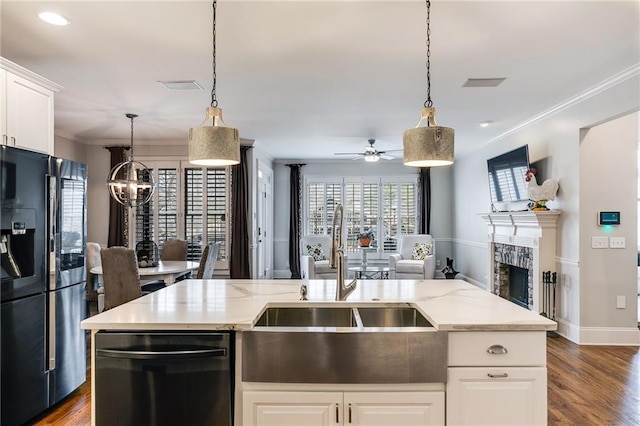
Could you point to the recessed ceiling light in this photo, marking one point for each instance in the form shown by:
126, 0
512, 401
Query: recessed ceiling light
181, 85
485, 123
54, 18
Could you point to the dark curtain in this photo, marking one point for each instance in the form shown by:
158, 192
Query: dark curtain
424, 227
239, 261
295, 198
118, 226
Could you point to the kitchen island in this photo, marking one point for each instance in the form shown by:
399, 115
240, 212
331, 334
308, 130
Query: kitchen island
496, 350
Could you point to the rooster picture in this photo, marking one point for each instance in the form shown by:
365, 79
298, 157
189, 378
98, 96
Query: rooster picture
540, 194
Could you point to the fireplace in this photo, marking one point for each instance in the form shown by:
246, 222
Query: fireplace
513, 266
521, 246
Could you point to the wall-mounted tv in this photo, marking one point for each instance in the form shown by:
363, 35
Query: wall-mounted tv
506, 179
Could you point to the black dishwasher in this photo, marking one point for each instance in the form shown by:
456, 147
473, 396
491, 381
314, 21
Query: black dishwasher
164, 378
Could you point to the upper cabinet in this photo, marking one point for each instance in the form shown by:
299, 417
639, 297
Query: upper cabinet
26, 108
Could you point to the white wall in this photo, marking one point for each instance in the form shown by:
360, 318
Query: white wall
555, 147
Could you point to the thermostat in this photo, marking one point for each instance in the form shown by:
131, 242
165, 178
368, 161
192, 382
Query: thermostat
608, 218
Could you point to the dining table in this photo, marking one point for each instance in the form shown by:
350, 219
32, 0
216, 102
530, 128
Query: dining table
166, 270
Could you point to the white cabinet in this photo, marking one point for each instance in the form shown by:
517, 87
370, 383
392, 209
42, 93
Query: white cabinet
394, 408
270, 408
497, 378
497, 396
26, 109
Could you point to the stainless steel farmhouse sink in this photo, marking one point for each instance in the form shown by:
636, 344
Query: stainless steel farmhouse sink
348, 344
392, 317
307, 317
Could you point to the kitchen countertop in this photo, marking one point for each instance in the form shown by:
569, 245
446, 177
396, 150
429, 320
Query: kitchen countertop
452, 305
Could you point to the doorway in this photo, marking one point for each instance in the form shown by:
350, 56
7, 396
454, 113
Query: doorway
264, 222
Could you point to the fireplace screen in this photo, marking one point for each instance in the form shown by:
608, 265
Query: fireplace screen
519, 286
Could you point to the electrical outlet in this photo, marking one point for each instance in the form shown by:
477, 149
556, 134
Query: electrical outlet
437, 262
621, 302
617, 242
599, 242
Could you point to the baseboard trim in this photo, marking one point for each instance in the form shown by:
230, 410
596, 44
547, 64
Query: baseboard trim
602, 336
472, 281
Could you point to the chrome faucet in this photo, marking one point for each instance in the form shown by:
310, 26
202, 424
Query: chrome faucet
336, 256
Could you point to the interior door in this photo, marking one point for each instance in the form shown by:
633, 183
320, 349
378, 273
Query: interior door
265, 222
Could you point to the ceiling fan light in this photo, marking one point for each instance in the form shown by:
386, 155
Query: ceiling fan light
213, 144
371, 158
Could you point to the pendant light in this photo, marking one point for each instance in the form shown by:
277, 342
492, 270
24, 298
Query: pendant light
130, 182
214, 144
427, 144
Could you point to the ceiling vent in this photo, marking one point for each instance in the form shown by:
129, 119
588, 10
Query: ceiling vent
483, 82
183, 85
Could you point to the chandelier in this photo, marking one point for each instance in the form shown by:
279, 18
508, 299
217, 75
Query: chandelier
130, 182
427, 144
214, 144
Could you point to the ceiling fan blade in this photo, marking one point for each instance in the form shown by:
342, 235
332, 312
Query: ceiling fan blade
390, 150
348, 153
385, 156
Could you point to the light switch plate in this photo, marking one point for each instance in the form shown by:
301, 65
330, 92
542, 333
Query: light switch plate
621, 302
617, 242
599, 242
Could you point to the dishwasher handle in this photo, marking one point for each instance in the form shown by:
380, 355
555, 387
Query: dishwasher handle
155, 355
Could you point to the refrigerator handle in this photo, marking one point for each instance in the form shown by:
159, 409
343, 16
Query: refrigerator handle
52, 332
51, 229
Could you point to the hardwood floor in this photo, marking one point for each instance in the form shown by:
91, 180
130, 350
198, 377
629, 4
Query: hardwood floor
587, 385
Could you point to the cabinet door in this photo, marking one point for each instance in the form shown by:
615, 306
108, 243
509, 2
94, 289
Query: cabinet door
29, 115
3, 106
291, 408
497, 396
394, 408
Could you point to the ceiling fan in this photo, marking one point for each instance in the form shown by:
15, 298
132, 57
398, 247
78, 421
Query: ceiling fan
370, 153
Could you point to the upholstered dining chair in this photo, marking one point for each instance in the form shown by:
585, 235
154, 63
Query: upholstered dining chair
417, 258
120, 276
208, 261
94, 282
174, 249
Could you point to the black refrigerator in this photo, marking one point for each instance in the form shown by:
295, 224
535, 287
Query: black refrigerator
42, 277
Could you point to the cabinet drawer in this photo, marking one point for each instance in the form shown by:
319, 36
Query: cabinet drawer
500, 348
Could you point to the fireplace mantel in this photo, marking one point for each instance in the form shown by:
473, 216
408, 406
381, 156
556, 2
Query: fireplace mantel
533, 229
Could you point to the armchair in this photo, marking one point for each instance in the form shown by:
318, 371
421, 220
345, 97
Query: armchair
316, 268
405, 264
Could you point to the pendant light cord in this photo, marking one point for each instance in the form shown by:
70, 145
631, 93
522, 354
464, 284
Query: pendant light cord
428, 103
214, 101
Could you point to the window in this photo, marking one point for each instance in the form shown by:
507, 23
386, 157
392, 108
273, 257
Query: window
190, 203
388, 206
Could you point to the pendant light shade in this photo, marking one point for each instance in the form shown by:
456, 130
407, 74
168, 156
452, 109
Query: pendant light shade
130, 182
214, 144
427, 144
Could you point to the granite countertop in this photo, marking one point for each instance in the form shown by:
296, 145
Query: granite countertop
452, 305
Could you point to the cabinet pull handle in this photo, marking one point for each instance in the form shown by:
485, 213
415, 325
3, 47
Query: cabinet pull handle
337, 415
349, 413
13, 140
497, 350
498, 376
5, 140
